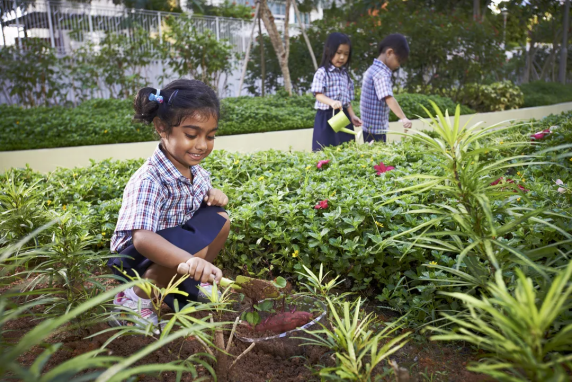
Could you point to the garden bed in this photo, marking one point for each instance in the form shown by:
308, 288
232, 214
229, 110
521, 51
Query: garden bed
282, 359
357, 211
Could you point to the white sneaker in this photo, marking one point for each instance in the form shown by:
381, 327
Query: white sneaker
129, 306
208, 288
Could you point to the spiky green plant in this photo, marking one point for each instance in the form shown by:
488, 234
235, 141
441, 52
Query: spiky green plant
473, 210
357, 346
529, 338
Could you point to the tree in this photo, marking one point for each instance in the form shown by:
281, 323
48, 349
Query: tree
281, 46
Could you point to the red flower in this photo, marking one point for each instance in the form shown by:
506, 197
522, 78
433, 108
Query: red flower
503, 180
539, 135
322, 163
381, 168
322, 205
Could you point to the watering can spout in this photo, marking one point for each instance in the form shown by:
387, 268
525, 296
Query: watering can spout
339, 122
346, 130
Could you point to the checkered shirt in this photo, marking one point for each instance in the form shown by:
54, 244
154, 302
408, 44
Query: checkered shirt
376, 87
157, 197
334, 83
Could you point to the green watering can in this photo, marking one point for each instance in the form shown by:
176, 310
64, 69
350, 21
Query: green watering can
339, 122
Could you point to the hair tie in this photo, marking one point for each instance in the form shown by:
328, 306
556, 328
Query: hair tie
172, 97
156, 97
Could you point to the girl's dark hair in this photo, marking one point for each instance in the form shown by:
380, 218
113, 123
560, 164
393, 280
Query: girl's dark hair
333, 41
181, 98
397, 42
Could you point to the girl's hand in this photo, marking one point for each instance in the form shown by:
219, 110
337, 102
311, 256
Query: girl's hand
356, 121
216, 197
336, 105
199, 269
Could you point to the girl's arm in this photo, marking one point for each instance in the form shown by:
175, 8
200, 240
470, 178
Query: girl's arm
160, 251
321, 97
396, 109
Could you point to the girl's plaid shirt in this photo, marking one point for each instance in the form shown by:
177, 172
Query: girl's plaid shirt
334, 83
157, 197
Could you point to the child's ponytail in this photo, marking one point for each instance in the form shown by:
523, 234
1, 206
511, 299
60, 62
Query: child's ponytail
145, 110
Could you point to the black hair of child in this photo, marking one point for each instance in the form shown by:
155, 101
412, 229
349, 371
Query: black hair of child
333, 42
397, 42
181, 99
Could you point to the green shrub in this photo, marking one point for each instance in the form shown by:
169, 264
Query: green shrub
497, 96
107, 121
541, 93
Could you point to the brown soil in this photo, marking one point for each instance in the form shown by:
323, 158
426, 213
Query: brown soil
277, 360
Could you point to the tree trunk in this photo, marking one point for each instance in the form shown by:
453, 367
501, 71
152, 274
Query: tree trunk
305, 35
549, 63
529, 60
476, 10
277, 43
564, 51
262, 63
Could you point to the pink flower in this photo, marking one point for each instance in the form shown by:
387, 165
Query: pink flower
539, 135
522, 189
322, 163
561, 190
322, 205
559, 182
381, 168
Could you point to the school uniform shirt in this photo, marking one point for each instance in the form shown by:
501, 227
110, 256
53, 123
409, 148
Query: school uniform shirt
157, 197
334, 83
376, 86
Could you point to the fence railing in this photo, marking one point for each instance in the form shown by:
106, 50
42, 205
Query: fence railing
65, 26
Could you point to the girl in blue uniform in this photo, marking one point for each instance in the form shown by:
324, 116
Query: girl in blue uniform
334, 90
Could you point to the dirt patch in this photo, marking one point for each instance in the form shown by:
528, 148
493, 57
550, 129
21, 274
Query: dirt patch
283, 359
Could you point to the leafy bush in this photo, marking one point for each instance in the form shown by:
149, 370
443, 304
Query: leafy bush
102, 121
497, 96
276, 227
541, 93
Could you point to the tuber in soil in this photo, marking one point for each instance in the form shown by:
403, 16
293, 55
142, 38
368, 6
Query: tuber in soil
282, 322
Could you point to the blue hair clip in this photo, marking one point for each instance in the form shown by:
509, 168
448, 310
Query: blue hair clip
156, 97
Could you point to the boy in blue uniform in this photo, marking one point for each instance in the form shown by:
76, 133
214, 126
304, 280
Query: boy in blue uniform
377, 94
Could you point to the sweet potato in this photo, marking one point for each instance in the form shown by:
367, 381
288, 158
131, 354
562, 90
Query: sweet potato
283, 322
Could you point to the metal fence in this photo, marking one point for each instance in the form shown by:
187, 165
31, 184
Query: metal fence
67, 25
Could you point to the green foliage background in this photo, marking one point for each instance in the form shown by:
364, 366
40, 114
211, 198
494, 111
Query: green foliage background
101, 121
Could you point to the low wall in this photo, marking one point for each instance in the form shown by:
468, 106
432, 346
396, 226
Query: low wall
45, 160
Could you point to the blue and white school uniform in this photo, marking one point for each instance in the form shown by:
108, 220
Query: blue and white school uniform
334, 83
159, 198
374, 111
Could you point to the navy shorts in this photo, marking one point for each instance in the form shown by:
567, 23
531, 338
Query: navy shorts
324, 135
194, 235
369, 137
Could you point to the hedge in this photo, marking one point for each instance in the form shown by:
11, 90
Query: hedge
540, 93
107, 121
